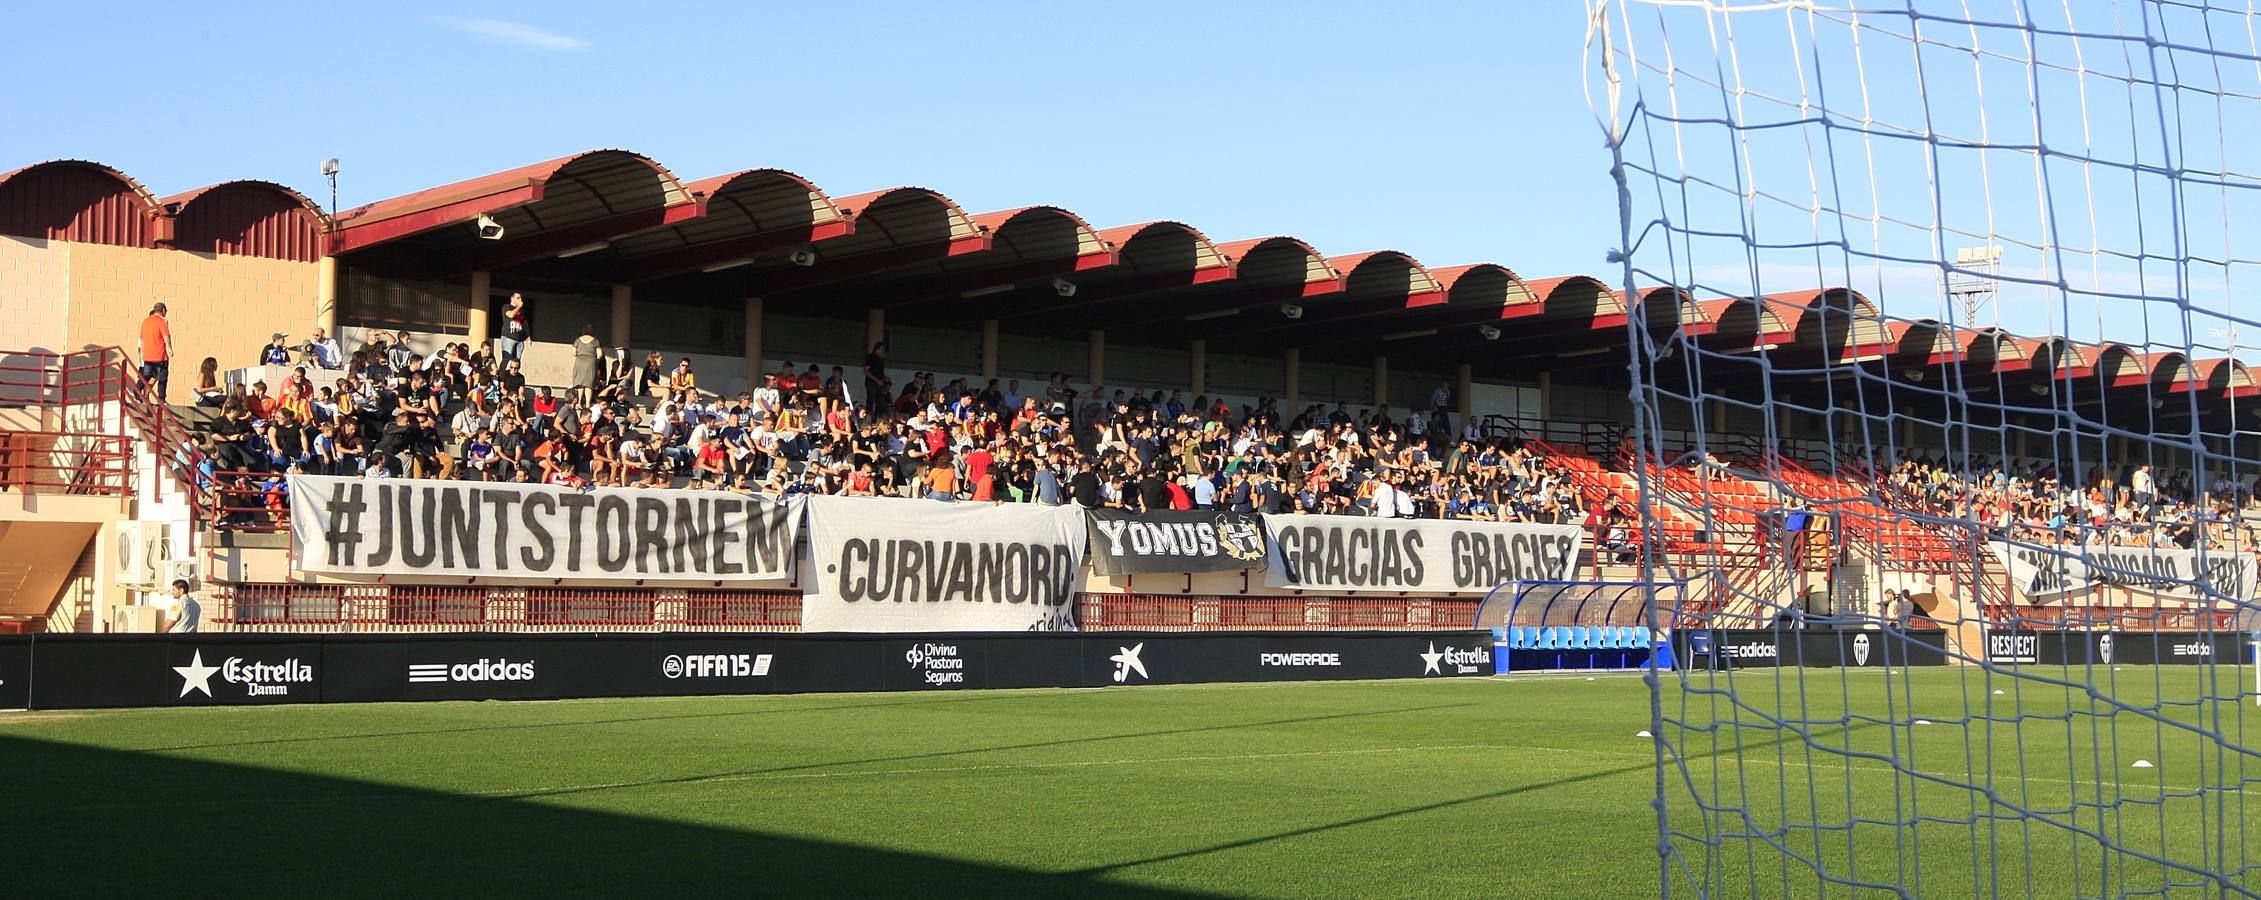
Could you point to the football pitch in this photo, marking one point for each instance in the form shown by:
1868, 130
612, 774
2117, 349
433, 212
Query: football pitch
1531, 786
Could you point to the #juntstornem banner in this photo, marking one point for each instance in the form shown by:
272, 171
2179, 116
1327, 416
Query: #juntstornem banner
1193, 540
1353, 553
2040, 574
378, 526
888, 565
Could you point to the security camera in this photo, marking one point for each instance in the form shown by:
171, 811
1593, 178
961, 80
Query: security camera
804, 257
1488, 332
487, 228
1063, 287
1291, 310
1915, 375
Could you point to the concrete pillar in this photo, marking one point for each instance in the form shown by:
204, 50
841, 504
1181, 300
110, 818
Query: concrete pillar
1381, 380
1197, 366
1908, 430
875, 328
326, 295
1465, 393
1546, 396
988, 349
754, 367
2023, 453
1292, 363
482, 290
1096, 368
620, 295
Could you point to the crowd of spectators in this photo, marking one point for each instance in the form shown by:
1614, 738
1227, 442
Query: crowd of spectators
461, 411
2126, 505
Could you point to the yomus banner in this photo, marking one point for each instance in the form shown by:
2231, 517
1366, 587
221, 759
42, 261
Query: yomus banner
1174, 541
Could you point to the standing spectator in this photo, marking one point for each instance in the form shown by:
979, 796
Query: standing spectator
512, 344
585, 353
876, 383
156, 346
187, 614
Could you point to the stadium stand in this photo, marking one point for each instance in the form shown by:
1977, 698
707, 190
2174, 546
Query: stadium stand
595, 321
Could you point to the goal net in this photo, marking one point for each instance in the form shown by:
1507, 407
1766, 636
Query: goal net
1943, 412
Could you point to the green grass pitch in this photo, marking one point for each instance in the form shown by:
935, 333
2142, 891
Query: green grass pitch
1532, 786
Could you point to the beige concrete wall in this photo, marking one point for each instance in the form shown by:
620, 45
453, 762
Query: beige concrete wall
35, 278
223, 306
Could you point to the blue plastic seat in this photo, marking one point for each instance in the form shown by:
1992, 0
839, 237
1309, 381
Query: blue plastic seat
1527, 638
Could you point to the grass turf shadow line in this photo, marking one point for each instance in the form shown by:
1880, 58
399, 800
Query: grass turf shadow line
400, 840
938, 754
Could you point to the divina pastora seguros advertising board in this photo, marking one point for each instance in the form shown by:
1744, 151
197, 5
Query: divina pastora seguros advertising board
70, 671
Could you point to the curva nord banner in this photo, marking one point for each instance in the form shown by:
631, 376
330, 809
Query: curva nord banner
1350, 553
886, 565
2046, 574
1124, 543
374, 526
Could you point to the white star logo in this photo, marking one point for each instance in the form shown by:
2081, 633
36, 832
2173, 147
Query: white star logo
196, 676
1430, 659
1126, 662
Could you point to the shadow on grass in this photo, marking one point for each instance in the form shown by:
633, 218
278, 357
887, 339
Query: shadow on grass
87, 821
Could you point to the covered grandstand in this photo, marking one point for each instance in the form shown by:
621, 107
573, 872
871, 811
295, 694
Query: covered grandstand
745, 272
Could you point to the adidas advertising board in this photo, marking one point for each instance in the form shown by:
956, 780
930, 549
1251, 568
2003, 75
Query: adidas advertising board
1764, 648
1127, 543
354, 526
951, 567
161, 670
1354, 553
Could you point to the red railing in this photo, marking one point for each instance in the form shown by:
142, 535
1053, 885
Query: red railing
2098, 618
56, 462
1172, 612
286, 607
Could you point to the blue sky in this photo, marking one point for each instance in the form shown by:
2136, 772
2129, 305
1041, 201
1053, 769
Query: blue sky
1458, 132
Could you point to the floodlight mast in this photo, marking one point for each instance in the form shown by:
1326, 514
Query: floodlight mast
1971, 281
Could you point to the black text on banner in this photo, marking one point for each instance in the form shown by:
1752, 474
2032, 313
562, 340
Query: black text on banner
1349, 553
1174, 541
354, 526
885, 565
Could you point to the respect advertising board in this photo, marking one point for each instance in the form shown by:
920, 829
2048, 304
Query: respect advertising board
1351, 553
368, 527
1175, 541
884, 565
2012, 647
2043, 573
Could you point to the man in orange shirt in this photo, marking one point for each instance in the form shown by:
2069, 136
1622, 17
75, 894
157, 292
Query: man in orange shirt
156, 350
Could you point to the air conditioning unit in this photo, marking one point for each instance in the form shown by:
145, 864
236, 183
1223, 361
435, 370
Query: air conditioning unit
172, 570
142, 548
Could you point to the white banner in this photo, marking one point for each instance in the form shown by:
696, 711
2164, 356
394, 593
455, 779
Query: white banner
2040, 574
1353, 553
889, 565
396, 526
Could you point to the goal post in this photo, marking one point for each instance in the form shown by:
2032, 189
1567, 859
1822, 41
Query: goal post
1970, 281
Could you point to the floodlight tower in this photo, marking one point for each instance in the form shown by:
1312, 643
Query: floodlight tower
1971, 281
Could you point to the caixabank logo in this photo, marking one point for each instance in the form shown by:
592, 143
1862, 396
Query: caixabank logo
243, 678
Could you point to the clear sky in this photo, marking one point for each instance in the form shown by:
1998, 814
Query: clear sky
1458, 132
